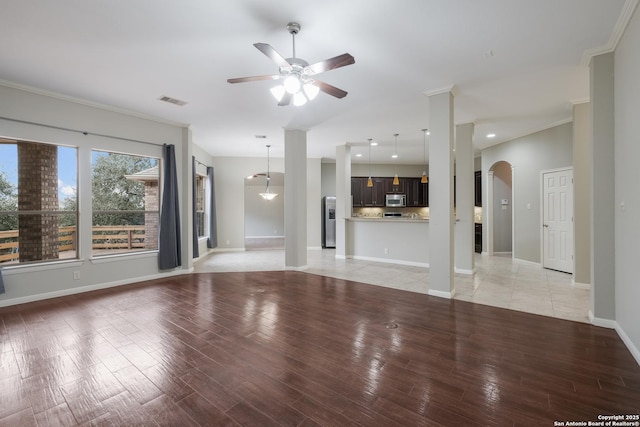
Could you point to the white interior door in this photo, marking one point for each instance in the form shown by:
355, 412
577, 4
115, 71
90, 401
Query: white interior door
557, 221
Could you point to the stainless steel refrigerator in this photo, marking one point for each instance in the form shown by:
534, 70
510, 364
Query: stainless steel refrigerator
329, 222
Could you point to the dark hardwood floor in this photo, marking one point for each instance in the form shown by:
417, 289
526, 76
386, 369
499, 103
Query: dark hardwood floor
289, 348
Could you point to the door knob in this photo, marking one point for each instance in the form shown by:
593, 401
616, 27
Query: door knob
545, 225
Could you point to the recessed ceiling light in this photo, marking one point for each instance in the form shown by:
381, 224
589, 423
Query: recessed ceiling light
373, 143
394, 156
491, 135
358, 155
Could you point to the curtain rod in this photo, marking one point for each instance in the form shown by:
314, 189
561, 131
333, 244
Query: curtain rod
80, 131
198, 161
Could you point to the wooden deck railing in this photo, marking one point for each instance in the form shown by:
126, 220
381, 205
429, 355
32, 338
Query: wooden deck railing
103, 237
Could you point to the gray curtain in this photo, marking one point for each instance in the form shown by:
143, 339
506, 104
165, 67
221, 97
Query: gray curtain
212, 241
169, 253
1, 283
194, 216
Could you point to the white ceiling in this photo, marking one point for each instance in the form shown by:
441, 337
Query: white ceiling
516, 64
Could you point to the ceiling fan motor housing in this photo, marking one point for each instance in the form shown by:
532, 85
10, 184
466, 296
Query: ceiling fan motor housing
293, 28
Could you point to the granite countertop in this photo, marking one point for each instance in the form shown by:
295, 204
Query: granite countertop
387, 219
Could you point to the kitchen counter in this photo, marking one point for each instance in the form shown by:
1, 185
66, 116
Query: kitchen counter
394, 240
387, 219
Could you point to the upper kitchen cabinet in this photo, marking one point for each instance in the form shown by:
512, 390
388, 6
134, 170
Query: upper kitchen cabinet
478, 188
357, 194
393, 189
417, 193
364, 196
374, 196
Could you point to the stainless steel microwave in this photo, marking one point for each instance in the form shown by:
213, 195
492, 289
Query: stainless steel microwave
396, 201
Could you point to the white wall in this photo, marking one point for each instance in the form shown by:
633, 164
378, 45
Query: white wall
36, 112
229, 181
263, 218
627, 177
547, 149
502, 219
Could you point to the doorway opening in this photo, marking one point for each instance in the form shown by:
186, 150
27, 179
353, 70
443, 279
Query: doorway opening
264, 219
500, 235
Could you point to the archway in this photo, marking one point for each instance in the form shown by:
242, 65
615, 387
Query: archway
264, 219
500, 199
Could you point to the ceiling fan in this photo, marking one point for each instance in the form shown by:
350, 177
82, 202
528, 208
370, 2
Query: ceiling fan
299, 83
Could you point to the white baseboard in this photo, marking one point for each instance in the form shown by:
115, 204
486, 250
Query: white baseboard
579, 285
302, 268
392, 261
441, 294
635, 352
612, 324
89, 288
604, 323
264, 237
464, 271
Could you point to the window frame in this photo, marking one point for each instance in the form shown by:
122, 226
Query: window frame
130, 250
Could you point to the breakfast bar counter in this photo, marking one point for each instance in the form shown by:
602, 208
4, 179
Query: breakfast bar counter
401, 240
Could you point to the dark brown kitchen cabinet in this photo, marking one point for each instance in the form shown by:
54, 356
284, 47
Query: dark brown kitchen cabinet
395, 189
357, 193
478, 238
364, 196
374, 196
417, 192
477, 201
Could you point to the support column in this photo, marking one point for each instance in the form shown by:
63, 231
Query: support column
38, 183
465, 226
343, 198
488, 216
295, 200
602, 198
582, 195
441, 282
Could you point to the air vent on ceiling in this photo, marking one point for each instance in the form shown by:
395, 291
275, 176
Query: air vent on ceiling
172, 100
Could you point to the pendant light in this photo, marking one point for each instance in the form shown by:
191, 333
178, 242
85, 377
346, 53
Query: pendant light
424, 178
369, 181
396, 181
268, 195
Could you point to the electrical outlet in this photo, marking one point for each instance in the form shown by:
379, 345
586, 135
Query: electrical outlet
76, 275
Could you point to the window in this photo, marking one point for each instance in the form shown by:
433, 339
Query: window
126, 202
38, 206
201, 210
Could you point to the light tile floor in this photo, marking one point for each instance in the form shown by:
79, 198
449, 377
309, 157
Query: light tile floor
498, 280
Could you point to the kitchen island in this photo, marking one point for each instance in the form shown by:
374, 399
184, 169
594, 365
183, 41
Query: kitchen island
394, 240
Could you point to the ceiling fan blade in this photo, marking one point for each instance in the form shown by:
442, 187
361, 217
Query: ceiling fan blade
272, 55
286, 99
330, 90
331, 63
254, 78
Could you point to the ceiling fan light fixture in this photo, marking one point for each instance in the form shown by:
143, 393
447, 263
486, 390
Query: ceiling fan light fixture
292, 83
278, 92
311, 90
299, 99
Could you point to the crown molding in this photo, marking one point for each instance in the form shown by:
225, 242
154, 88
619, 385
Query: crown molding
92, 104
451, 88
623, 20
